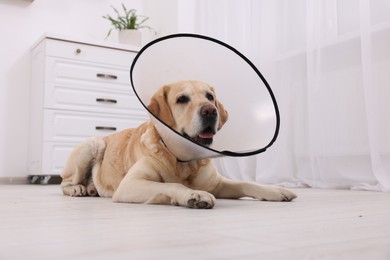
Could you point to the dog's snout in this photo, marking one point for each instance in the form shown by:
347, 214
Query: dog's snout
208, 111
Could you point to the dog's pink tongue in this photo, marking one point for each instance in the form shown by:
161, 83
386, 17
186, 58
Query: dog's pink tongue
206, 135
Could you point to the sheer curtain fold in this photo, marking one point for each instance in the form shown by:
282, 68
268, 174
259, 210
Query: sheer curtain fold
328, 63
373, 121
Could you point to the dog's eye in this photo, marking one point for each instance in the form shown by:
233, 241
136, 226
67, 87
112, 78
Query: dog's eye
210, 97
183, 100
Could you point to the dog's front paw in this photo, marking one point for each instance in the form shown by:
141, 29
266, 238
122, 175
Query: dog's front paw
277, 194
75, 190
201, 200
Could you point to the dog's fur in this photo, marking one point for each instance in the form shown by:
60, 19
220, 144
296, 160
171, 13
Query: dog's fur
135, 166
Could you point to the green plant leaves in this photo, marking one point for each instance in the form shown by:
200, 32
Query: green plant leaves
129, 20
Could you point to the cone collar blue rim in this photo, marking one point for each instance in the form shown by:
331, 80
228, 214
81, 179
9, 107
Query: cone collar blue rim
190, 35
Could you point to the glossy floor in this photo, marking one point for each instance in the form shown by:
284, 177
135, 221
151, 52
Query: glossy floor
38, 222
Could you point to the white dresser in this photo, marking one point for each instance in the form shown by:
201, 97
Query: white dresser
80, 88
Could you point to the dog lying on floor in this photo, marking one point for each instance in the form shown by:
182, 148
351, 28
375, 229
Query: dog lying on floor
135, 166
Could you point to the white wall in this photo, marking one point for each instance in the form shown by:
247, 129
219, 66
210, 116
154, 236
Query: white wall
163, 16
22, 23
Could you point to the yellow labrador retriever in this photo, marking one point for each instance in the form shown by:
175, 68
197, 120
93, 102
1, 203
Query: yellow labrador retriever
135, 166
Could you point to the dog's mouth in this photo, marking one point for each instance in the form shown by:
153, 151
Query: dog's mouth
204, 138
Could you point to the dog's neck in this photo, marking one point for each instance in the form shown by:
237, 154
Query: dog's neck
177, 159
202, 161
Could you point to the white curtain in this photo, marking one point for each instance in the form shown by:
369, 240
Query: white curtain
328, 63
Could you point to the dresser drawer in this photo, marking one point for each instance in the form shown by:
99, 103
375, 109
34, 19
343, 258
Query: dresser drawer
60, 71
85, 52
91, 100
80, 88
68, 126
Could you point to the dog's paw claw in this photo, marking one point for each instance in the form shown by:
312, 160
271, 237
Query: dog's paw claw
203, 205
191, 203
202, 200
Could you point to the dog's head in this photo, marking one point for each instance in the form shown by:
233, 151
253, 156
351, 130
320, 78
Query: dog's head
191, 108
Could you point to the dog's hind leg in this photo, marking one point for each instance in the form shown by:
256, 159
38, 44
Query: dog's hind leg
76, 176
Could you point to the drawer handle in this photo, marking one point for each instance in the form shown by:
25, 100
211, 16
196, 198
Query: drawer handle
109, 128
106, 76
106, 100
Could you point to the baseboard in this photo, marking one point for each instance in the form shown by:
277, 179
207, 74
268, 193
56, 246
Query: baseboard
14, 180
32, 179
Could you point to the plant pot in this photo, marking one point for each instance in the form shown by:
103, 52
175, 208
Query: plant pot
132, 37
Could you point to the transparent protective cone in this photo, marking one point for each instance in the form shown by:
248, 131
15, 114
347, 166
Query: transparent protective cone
253, 122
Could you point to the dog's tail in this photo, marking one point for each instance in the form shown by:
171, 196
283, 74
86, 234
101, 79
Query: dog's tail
77, 174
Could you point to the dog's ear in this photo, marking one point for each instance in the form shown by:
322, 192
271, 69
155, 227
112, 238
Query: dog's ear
223, 114
159, 107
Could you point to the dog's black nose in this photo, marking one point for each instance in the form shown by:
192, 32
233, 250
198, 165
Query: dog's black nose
208, 111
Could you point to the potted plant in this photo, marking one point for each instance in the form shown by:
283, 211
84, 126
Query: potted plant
128, 25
